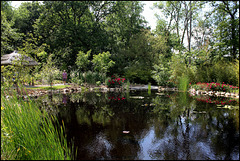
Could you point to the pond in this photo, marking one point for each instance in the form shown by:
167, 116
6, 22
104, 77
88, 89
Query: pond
139, 125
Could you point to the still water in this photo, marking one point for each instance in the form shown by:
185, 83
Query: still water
148, 126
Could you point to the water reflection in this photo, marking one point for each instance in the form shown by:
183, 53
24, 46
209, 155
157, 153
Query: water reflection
161, 126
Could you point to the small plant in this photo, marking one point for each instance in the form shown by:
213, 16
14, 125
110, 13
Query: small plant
98, 83
149, 88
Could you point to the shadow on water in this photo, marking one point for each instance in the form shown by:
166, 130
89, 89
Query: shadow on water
145, 126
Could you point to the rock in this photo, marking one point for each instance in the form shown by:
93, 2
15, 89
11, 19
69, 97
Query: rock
65, 90
227, 94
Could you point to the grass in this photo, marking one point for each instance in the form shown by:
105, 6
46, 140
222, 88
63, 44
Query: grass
27, 133
51, 88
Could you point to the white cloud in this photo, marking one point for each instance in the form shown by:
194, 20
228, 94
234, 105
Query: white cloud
149, 14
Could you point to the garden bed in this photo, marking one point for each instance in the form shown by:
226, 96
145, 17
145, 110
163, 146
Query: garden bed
214, 89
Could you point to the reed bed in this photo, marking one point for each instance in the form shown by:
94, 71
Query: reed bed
28, 133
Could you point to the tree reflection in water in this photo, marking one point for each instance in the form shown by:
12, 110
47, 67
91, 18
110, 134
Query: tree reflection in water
168, 126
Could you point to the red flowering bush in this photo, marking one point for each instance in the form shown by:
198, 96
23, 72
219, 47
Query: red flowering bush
114, 81
214, 87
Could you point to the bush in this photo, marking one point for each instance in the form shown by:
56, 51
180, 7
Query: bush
215, 87
114, 81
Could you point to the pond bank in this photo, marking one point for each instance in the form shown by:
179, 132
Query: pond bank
31, 92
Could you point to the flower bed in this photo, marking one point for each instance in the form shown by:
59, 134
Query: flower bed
215, 87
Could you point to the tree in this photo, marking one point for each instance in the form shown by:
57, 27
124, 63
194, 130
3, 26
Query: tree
124, 22
102, 62
82, 60
26, 15
7, 9
143, 52
226, 15
49, 71
9, 36
182, 15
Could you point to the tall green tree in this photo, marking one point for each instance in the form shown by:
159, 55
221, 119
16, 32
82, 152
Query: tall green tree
226, 15
83, 61
124, 21
10, 38
26, 15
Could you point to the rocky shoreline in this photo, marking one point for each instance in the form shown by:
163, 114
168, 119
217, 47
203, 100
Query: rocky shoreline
76, 89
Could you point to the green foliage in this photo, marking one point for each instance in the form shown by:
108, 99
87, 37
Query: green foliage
27, 133
93, 77
221, 71
98, 83
102, 62
82, 60
128, 84
9, 35
149, 88
226, 18
31, 47
161, 74
76, 78
18, 71
51, 87
236, 70
26, 15
183, 83
49, 71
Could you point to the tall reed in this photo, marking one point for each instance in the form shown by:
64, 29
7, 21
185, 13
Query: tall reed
149, 88
183, 83
27, 133
128, 84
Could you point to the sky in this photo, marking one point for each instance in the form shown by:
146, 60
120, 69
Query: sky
147, 13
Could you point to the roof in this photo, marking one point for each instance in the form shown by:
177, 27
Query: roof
8, 59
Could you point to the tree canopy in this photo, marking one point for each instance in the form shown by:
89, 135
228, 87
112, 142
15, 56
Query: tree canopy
68, 29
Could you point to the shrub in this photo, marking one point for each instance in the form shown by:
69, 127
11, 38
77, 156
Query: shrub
114, 81
215, 87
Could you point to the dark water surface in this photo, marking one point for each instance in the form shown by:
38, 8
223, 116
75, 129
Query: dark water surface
161, 126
